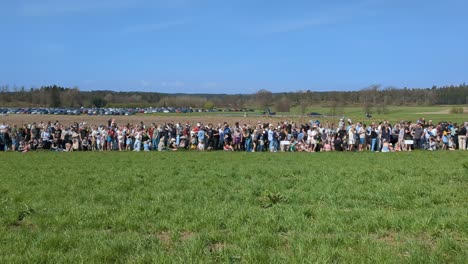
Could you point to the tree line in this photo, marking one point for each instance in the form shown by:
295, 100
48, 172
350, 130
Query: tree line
373, 98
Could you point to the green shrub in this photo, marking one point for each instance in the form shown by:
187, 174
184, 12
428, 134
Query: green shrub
456, 110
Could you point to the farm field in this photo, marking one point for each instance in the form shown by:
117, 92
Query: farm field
198, 207
395, 114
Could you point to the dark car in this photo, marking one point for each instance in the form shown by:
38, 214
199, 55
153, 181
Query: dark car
315, 114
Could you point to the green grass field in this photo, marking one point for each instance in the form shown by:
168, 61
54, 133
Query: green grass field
394, 114
192, 207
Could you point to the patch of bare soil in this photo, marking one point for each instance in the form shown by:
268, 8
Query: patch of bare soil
216, 247
388, 238
185, 235
164, 237
442, 112
18, 225
20, 119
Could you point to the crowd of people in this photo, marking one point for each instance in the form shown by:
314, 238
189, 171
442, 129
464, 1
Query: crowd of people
314, 136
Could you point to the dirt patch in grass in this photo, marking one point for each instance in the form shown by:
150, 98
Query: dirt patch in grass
164, 237
18, 225
388, 238
441, 112
426, 240
185, 235
216, 247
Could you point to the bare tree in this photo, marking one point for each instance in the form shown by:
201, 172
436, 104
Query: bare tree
264, 98
368, 98
283, 104
303, 104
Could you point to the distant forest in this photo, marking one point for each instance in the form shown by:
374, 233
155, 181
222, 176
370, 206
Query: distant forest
373, 98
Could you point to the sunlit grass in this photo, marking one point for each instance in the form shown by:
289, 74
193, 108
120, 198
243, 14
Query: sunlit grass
234, 207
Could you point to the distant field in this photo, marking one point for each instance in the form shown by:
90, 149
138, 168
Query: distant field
193, 207
397, 113
394, 114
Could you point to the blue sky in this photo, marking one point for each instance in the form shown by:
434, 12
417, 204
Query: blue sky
233, 46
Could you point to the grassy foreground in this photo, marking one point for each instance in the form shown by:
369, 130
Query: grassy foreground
234, 207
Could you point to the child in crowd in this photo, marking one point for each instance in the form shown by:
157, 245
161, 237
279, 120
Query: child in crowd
146, 146
228, 147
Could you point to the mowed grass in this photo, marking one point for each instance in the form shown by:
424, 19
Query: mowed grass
394, 114
192, 207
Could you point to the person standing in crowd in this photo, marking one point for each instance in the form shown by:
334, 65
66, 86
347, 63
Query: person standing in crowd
121, 139
362, 137
237, 137
138, 138
271, 136
201, 138
209, 140
401, 136
313, 138
386, 132
408, 137
215, 137
373, 135
14, 136
154, 135
261, 139
3, 139
351, 138
462, 135
247, 135
417, 133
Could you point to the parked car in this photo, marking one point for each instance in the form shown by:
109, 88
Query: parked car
315, 114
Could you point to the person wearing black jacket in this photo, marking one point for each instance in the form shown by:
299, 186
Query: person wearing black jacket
338, 144
3, 140
215, 137
209, 137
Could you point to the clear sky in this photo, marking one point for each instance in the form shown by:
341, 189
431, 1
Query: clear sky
237, 46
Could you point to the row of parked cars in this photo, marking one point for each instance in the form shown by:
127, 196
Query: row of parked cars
40, 111
112, 111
